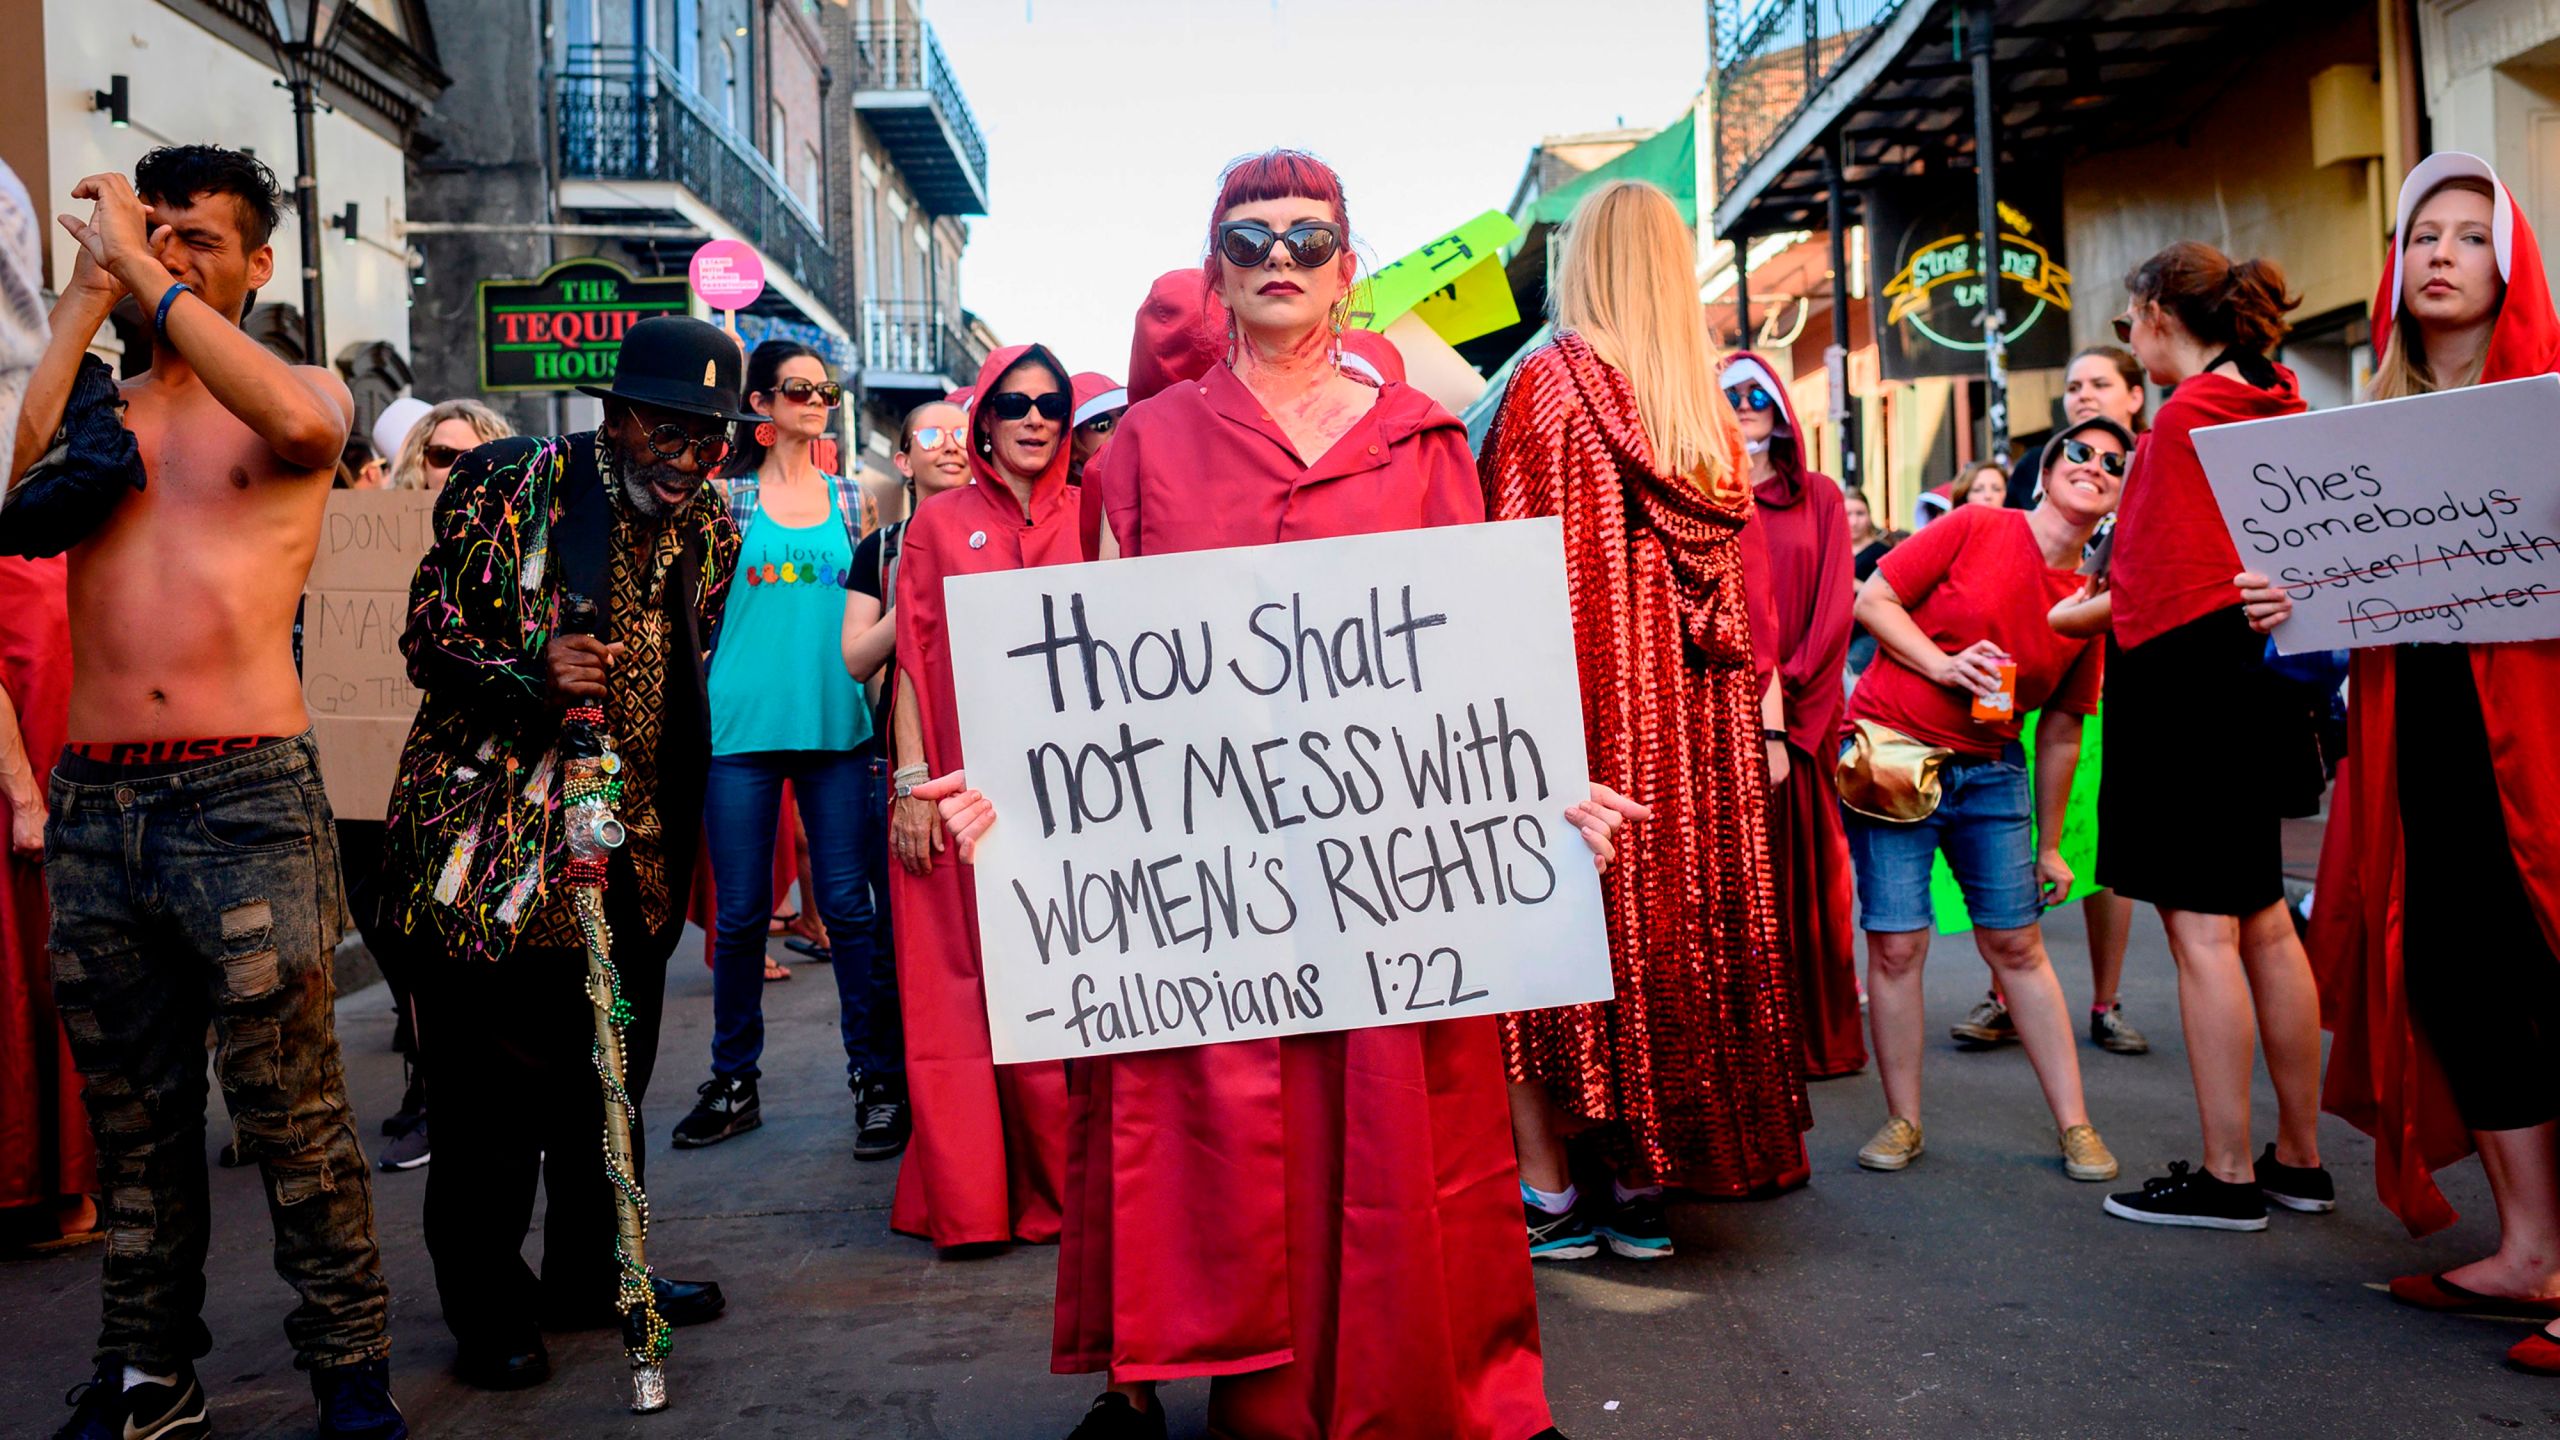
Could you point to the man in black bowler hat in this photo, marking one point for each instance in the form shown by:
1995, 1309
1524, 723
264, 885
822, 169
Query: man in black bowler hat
583, 568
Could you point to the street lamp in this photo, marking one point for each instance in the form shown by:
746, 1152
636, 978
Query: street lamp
304, 30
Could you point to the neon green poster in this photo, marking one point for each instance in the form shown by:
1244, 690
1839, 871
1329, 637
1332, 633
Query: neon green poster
2079, 831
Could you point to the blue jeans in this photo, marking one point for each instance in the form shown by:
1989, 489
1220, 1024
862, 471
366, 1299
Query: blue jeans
842, 807
1985, 821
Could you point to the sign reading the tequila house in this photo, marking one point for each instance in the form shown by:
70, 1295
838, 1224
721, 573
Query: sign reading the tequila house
1302, 787
564, 327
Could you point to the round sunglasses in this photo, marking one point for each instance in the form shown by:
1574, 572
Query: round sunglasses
1750, 397
2077, 452
825, 392
671, 440
1013, 405
1249, 242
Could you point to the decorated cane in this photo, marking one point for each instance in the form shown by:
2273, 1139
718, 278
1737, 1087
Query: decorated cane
591, 788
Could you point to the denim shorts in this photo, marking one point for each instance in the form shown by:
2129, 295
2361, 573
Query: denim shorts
1984, 822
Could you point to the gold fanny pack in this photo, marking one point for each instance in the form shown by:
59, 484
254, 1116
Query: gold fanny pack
1884, 774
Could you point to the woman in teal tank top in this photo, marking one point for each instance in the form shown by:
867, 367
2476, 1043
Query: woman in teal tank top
783, 708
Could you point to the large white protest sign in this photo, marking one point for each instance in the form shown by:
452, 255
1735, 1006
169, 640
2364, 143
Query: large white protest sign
1244, 793
2435, 518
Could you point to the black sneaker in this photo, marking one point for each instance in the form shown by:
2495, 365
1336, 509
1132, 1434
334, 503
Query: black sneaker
409, 1151
728, 1107
2306, 1188
1985, 1025
355, 1402
1558, 1237
880, 1105
103, 1409
413, 1108
2197, 1198
1114, 1418
1635, 1229
2110, 1031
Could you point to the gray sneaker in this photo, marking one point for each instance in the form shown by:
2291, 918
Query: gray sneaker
1986, 1025
408, 1150
2109, 1030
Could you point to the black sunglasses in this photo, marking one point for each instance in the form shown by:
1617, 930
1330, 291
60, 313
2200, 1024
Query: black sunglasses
1750, 397
2124, 328
671, 440
2077, 452
1013, 405
1099, 424
1249, 242
827, 392
442, 456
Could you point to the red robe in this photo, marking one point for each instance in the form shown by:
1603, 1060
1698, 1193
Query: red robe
2382, 1078
1694, 1064
45, 1151
1812, 588
1329, 1224
988, 1161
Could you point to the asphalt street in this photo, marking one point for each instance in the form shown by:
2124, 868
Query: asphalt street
1980, 1293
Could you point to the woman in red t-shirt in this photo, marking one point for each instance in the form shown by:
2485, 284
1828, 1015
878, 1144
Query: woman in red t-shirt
1958, 612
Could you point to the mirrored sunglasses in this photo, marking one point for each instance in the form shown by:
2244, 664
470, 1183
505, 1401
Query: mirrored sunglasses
825, 392
1750, 397
1249, 242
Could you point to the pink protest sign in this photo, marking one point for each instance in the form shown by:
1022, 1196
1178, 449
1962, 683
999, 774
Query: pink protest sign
727, 274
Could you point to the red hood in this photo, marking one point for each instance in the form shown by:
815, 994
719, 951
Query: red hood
1096, 395
2526, 339
1786, 445
982, 466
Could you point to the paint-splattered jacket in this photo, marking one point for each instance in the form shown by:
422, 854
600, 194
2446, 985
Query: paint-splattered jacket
474, 847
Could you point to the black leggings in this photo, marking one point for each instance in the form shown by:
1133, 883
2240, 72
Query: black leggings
2483, 985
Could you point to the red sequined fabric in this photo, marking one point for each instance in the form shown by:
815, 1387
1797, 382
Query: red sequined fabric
1693, 1068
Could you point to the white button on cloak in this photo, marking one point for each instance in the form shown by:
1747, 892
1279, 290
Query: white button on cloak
977, 539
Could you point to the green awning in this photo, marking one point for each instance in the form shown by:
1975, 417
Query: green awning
1668, 160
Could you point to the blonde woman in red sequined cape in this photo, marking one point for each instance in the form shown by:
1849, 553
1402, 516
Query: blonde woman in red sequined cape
1690, 1077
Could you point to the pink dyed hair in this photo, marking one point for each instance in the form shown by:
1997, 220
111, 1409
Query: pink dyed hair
1276, 175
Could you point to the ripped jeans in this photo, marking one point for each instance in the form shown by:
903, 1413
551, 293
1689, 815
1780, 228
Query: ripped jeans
206, 894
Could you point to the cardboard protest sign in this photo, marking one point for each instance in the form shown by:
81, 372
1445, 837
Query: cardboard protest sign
354, 607
1302, 787
2435, 518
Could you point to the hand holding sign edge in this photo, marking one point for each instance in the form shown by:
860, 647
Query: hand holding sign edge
1599, 817
2267, 605
966, 813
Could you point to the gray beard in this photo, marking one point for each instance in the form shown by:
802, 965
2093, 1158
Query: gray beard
637, 478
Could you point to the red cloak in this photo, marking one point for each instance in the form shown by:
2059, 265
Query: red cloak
2382, 1078
1696, 1060
988, 1161
45, 1151
1328, 1224
1812, 586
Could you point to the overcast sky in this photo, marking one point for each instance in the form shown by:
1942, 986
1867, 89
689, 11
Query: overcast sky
1107, 122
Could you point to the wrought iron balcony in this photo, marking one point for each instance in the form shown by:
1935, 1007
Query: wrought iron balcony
909, 346
904, 88
1772, 57
627, 118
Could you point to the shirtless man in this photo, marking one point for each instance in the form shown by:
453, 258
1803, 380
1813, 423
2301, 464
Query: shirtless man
190, 863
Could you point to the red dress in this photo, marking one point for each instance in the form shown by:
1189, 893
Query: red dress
988, 1159
1328, 1224
2382, 1076
1695, 1063
45, 1151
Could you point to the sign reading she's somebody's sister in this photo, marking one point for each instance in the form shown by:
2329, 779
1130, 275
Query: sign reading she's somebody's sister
1302, 787
2434, 518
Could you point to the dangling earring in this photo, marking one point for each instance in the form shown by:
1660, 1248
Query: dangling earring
1231, 339
766, 434
1337, 340
986, 446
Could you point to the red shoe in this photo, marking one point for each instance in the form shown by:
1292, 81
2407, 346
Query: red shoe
2537, 1353
2434, 1292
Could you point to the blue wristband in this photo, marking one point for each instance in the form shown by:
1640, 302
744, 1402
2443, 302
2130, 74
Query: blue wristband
168, 297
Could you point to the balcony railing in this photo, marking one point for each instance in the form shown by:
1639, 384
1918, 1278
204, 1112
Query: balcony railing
904, 341
632, 119
905, 89
1772, 57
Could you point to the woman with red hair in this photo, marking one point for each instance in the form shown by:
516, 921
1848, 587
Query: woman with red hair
1349, 1258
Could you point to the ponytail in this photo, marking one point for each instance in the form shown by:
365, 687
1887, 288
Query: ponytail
2220, 302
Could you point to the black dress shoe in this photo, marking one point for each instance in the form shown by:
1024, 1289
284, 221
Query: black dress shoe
502, 1367
680, 1302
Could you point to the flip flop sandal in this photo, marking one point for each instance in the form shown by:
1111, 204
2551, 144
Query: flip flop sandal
775, 970
2436, 1293
781, 921
810, 948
